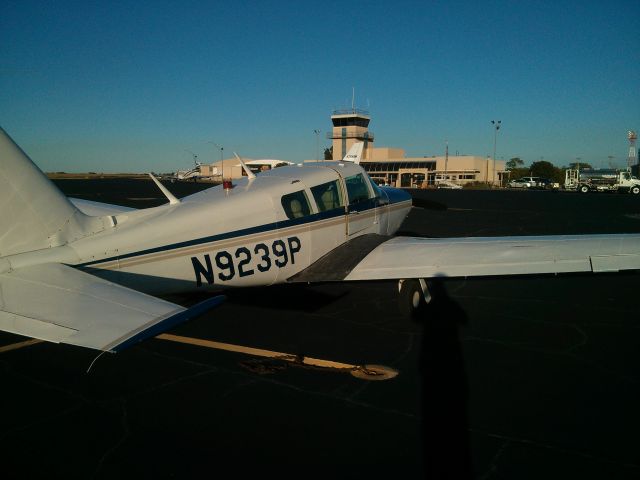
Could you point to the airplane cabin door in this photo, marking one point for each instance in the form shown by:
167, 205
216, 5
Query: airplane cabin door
361, 209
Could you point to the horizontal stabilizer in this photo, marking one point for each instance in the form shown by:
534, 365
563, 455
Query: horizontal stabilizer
60, 304
99, 209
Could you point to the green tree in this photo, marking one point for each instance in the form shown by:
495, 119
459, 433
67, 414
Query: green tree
328, 153
547, 170
519, 173
514, 163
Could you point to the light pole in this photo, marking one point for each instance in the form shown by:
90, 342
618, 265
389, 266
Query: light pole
317, 132
496, 124
221, 160
193, 155
446, 158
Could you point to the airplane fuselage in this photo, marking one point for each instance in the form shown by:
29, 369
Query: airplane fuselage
244, 236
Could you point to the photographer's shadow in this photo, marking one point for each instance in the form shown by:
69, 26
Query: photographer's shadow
445, 425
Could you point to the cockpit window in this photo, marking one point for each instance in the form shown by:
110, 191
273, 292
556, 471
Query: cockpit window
377, 193
296, 204
328, 196
357, 188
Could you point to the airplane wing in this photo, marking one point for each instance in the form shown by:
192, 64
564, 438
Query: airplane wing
373, 257
60, 304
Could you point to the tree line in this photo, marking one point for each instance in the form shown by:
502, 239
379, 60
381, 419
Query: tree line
540, 168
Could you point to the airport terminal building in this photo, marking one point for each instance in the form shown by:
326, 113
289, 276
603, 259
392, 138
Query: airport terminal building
230, 168
390, 166
385, 165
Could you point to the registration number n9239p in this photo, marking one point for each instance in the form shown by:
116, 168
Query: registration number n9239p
244, 261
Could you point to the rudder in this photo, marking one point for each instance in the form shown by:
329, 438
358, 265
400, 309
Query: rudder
34, 213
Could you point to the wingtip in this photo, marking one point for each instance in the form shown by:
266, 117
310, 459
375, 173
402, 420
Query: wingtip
171, 321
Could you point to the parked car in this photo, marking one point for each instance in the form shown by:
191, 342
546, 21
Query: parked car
547, 184
524, 182
447, 184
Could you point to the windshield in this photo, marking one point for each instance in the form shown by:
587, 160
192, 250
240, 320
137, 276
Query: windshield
357, 188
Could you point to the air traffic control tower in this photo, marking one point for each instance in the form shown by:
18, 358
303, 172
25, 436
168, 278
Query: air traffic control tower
350, 126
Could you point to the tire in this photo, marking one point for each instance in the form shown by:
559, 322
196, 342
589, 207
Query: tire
411, 300
583, 189
635, 190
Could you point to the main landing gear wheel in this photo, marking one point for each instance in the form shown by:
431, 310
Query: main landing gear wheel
584, 189
413, 298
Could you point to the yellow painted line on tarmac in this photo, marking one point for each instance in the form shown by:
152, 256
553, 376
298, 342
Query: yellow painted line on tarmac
16, 346
258, 352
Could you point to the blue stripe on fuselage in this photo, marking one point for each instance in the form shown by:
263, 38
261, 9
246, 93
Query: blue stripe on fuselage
225, 236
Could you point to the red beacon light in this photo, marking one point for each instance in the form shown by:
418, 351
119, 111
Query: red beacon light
227, 184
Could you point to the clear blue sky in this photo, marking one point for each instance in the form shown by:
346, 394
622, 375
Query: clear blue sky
133, 86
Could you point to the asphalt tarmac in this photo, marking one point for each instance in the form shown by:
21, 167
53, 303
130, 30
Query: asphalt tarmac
506, 378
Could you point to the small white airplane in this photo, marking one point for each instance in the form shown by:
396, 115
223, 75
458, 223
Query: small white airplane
85, 273
189, 174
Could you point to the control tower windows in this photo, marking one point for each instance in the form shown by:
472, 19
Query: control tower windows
350, 122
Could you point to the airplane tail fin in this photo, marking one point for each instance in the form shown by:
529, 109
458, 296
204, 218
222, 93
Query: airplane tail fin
355, 153
34, 214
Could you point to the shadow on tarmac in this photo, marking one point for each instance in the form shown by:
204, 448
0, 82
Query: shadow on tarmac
445, 422
428, 204
293, 297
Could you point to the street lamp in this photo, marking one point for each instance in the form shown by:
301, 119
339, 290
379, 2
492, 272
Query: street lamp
221, 160
496, 124
317, 132
193, 155
446, 159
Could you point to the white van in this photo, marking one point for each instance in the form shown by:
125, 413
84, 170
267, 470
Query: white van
524, 182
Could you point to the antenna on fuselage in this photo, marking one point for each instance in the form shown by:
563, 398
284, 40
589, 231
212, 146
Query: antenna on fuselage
247, 170
172, 200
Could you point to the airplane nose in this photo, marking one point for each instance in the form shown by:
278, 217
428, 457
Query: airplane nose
397, 195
